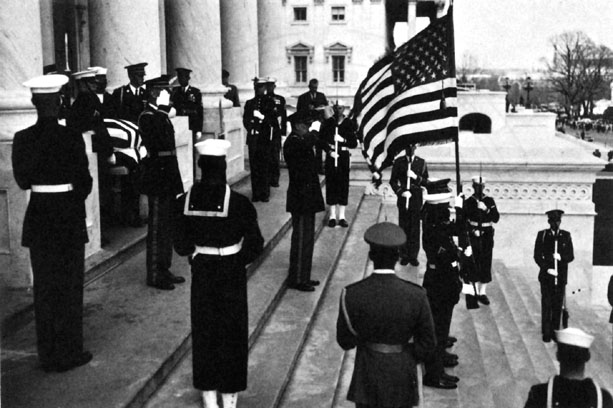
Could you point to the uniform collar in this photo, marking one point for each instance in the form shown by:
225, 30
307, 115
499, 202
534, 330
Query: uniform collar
384, 271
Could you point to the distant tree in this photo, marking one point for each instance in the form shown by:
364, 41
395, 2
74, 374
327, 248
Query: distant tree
468, 66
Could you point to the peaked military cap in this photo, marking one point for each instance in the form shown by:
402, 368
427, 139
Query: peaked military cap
159, 82
88, 73
183, 70
303, 116
479, 180
46, 84
136, 68
99, 70
554, 214
438, 192
385, 235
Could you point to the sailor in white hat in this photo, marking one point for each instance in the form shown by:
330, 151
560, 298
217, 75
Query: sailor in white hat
571, 388
218, 230
50, 160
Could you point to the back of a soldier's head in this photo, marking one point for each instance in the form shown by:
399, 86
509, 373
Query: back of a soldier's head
573, 348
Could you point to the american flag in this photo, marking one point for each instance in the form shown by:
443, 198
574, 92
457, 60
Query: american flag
410, 96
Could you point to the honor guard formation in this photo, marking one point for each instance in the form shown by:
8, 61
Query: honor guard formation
400, 330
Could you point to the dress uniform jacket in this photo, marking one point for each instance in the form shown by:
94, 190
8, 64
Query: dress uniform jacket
409, 216
216, 217
127, 105
568, 393
385, 310
308, 101
481, 232
281, 130
87, 113
188, 102
337, 177
160, 173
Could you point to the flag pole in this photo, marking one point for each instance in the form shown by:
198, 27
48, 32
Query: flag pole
451, 42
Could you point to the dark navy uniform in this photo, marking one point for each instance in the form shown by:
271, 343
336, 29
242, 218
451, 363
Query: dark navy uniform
127, 104
304, 200
260, 134
480, 225
278, 133
188, 102
161, 182
409, 215
552, 288
50, 155
568, 393
337, 176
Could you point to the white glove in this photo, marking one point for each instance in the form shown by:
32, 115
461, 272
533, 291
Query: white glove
315, 126
111, 159
412, 174
334, 155
468, 251
198, 135
163, 98
339, 138
172, 113
477, 233
459, 201
258, 115
481, 205
557, 256
552, 272
407, 194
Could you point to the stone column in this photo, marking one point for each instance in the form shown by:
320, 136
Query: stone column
124, 32
239, 42
46, 23
22, 59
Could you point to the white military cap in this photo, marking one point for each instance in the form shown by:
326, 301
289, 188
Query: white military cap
574, 337
46, 83
99, 70
88, 73
259, 80
271, 80
340, 102
479, 180
213, 147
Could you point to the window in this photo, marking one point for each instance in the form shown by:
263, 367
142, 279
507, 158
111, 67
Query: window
300, 66
338, 68
338, 14
300, 14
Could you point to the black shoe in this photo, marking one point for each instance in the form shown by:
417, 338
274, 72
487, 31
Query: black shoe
79, 360
414, 262
404, 261
274, 185
449, 344
452, 339
546, 338
450, 378
440, 383
163, 285
303, 287
447, 363
483, 299
172, 278
331, 223
450, 356
343, 223
313, 282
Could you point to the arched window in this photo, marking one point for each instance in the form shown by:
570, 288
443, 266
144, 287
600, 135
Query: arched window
476, 123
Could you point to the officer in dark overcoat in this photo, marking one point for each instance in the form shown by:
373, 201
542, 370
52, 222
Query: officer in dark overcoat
50, 160
409, 174
259, 118
315, 102
339, 132
161, 182
571, 388
218, 229
553, 251
380, 315
481, 214
441, 279
187, 100
279, 131
130, 100
304, 198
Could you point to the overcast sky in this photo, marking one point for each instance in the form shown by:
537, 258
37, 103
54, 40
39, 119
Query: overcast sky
515, 33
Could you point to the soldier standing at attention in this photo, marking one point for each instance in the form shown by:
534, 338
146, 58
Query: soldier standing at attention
409, 174
481, 215
130, 100
161, 182
218, 229
553, 251
379, 315
314, 102
571, 388
50, 160
339, 133
261, 123
279, 131
232, 93
187, 100
304, 198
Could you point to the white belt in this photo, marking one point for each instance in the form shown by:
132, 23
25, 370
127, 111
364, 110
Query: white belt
225, 251
482, 225
52, 188
341, 148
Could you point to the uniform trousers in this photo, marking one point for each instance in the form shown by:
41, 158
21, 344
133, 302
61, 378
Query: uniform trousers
259, 165
58, 301
483, 247
552, 297
274, 171
337, 179
159, 237
301, 253
408, 220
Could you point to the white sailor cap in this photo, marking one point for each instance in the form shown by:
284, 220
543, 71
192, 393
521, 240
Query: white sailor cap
99, 70
479, 180
271, 80
574, 337
87, 73
46, 83
213, 147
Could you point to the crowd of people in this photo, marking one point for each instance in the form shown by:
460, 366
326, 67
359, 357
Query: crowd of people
394, 324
